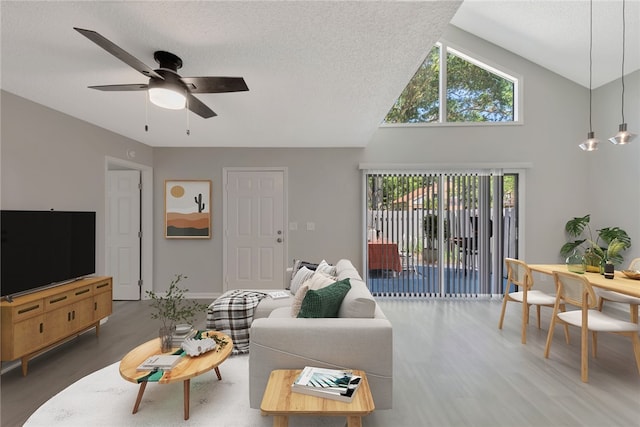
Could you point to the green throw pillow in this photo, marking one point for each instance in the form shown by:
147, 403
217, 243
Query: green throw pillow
324, 302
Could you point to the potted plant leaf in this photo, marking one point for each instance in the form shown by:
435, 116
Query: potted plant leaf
430, 226
173, 308
605, 245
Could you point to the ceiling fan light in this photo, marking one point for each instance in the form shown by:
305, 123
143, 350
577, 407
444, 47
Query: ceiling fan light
623, 136
590, 144
167, 98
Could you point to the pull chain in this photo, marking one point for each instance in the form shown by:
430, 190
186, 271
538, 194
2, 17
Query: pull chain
146, 112
187, 112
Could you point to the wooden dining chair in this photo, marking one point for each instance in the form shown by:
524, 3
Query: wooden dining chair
604, 295
575, 289
519, 275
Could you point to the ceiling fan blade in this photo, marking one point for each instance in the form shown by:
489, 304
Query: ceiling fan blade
119, 53
215, 84
130, 87
195, 105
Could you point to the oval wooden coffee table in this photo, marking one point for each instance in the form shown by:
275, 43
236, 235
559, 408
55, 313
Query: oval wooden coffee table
186, 369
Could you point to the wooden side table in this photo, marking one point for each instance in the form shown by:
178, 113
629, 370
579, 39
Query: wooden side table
279, 401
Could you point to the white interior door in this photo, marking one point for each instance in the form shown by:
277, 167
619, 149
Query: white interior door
123, 233
254, 248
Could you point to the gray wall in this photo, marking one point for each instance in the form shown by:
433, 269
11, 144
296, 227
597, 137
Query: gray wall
554, 117
324, 188
50, 160
614, 171
53, 161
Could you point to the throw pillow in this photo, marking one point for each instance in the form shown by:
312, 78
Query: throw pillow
319, 280
301, 276
298, 298
324, 302
316, 281
326, 268
298, 264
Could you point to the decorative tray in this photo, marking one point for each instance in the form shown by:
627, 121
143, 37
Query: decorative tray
196, 347
632, 274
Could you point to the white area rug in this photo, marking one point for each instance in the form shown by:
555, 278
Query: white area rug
105, 399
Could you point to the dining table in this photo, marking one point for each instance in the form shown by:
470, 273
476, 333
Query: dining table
620, 283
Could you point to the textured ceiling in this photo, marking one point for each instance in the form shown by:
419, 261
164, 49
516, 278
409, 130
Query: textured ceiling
320, 73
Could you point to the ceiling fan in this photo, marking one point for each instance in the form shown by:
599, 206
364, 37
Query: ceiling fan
166, 87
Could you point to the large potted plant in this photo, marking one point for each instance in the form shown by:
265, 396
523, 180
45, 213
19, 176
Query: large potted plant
173, 308
430, 226
603, 246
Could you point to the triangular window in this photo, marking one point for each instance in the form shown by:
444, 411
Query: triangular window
475, 92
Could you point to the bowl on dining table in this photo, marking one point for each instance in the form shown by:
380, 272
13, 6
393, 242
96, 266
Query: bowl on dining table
632, 274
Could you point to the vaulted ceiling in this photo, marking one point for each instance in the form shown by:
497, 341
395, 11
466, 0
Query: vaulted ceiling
320, 73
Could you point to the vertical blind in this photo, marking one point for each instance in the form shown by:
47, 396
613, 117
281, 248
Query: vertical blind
433, 234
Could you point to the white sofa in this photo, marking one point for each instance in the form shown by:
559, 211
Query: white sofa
360, 337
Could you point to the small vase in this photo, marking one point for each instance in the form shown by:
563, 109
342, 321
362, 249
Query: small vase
603, 263
608, 271
166, 338
592, 261
576, 263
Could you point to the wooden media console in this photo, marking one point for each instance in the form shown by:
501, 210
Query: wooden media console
36, 322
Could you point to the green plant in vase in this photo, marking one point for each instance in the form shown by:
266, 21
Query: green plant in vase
173, 308
605, 245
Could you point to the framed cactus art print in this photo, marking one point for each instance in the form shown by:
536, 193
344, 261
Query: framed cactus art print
187, 209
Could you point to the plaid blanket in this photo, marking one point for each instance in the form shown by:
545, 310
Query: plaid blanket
232, 314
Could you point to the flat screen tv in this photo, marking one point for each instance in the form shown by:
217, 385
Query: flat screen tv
43, 248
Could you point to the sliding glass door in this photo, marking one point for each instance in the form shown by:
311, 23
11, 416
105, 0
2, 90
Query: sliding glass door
439, 233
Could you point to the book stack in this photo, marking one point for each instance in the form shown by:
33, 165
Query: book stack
161, 361
182, 333
333, 384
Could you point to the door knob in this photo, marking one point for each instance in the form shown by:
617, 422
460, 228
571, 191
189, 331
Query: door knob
279, 240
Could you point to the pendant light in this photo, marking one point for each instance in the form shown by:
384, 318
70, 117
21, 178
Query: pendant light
591, 143
623, 136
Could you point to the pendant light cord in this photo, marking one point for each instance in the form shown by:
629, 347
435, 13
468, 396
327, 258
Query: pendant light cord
590, 58
623, 43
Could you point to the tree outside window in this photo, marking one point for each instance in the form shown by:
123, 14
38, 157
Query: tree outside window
473, 94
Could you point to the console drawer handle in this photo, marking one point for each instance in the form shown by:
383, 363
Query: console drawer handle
24, 310
58, 299
84, 291
102, 285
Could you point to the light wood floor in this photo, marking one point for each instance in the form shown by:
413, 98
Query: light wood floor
452, 367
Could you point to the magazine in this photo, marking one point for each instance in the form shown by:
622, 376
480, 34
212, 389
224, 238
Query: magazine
162, 361
328, 383
279, 294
